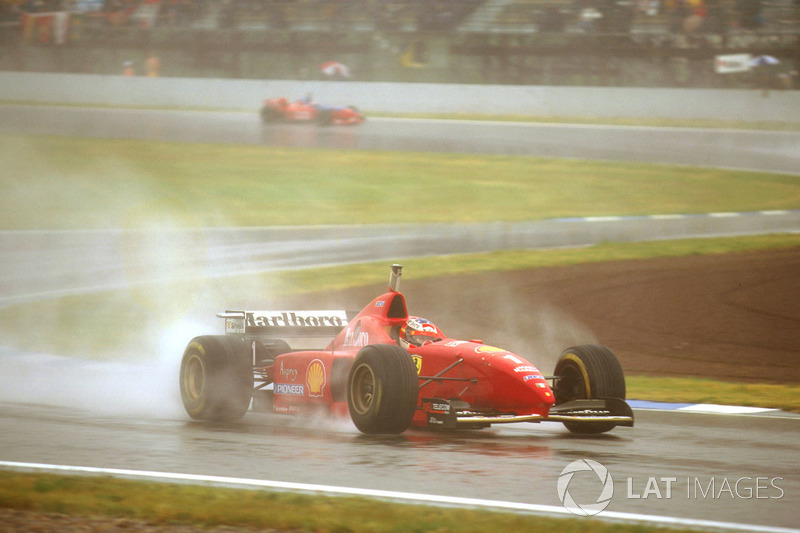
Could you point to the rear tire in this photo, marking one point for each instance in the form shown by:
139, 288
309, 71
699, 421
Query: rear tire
216, 378
269, 115
588, 372
382, 389
325, 117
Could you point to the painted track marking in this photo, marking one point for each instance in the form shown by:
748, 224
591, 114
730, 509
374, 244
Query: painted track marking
700, 407
401, 497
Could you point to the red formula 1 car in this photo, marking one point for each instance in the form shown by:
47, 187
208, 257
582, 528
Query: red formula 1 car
306, 110
389, 371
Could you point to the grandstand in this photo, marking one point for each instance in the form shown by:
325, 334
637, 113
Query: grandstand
587, 42
642, 16
477, 16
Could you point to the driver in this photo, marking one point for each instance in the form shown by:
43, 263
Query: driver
418, 332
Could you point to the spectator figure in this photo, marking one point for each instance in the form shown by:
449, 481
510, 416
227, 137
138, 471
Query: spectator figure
785, 81
414, 55
694, 22
648, 7
750, 16
152, 65
334, 69
678, 14
717, 18
128, 69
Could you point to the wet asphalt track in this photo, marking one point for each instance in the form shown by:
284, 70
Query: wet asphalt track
772, 151
145, 428
702, 453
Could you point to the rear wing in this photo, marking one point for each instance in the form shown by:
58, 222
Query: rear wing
284, 323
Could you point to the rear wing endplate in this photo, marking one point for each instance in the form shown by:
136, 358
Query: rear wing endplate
284, 323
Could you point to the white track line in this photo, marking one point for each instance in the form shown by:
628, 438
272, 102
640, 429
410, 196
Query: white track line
724, 409
410, 497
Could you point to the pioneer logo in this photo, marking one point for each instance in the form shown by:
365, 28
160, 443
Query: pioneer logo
290, 389
303, 319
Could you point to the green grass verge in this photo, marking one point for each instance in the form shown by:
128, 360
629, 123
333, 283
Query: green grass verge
74, 183
699, 390
340, 277
169, 504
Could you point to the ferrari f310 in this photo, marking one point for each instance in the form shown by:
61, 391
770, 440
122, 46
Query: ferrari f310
389, 371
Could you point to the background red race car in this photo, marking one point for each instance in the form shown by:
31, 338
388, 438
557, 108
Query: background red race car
388, 371
306, 110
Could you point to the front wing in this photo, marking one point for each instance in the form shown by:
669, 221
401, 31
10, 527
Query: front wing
447, 414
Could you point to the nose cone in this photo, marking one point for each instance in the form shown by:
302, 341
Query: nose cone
541, 388
518, 384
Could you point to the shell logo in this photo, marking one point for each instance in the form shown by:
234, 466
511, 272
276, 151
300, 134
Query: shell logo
489, 349
315, 378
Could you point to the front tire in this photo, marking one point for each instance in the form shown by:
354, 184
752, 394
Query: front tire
588, 372
216, 378
382, 389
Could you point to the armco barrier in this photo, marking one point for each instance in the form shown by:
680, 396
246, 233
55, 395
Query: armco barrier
226, 94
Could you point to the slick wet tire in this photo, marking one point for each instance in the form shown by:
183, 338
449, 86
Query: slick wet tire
356, 113
216, 378
382, 389
268, 115
325, 117
588, 372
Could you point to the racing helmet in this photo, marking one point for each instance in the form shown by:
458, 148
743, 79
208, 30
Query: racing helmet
417, 331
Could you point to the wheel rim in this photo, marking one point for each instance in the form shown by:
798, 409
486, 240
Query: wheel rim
362, 389
194, 378
570, 385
